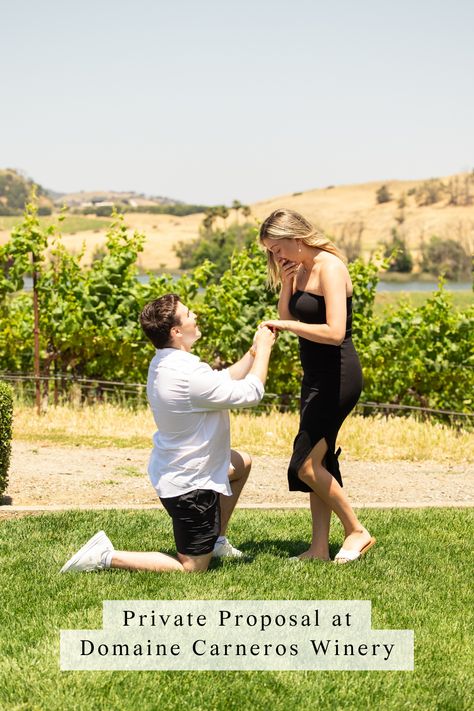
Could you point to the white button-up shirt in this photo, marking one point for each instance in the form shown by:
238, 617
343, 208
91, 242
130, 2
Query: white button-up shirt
190, 402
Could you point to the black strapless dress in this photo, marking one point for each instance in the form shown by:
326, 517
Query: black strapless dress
332, 383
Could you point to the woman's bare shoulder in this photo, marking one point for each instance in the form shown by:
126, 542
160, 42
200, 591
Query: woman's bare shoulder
328, 262
334, 272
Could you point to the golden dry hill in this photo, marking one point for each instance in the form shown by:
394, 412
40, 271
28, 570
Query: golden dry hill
343, 212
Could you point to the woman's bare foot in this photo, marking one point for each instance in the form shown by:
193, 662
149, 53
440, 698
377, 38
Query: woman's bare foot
356, 541
313, 555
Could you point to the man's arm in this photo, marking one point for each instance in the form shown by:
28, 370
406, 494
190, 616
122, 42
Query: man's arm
242, 367
264, 340
215, 390
239, 370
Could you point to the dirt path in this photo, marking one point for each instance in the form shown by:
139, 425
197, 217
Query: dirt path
43, 477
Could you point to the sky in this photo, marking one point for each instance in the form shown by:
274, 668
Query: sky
214, 100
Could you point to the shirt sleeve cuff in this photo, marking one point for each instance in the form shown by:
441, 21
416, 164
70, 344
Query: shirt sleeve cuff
250, 377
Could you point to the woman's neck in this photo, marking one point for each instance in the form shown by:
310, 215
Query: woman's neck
309, 255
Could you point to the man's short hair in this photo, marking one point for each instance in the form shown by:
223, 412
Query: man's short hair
158, 318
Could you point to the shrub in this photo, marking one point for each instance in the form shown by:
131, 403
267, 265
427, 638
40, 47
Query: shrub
217, 246
6, 211
104, 210
6, 413
421, 356
400, 259
350, 240
429, 192
177, 209
446, 257
383, 194
402, 201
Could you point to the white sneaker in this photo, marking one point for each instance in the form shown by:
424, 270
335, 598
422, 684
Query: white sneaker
226, 550
89, 557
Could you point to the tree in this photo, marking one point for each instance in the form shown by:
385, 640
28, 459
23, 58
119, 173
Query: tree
429, 192
237, 206
402, 201
223, 213
209, 219
467, 197
217, 246
105, 210
15, 190
396, 251
445, 257
383, 195
350, 239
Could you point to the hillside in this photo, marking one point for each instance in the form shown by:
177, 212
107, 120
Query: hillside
343, 211
15, 189
340, 211
109, 197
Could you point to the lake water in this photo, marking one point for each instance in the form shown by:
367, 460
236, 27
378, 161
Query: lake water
423, 286
381, 286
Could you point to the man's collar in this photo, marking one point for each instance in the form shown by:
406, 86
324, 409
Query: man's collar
175, 353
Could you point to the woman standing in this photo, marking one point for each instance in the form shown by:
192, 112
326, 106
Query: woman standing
316, 305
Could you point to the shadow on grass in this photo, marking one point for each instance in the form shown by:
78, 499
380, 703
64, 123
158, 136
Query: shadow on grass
281, 548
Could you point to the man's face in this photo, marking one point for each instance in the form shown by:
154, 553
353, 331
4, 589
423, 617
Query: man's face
188, 327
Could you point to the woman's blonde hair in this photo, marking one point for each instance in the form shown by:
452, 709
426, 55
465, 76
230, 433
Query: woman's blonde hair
288, 224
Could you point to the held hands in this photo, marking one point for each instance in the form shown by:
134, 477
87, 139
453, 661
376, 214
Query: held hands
274, 325
264, 338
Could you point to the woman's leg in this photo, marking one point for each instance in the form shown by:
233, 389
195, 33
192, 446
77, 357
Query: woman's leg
321, 518
325, 486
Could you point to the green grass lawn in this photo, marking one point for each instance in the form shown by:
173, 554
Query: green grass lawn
419, 576
70, 224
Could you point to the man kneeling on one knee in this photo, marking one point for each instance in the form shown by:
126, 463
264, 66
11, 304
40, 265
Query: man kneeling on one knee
192, 467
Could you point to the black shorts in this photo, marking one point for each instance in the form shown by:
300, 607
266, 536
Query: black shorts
196, 518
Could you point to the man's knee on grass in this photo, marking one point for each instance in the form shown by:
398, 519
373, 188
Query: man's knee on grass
194, 563
240, 465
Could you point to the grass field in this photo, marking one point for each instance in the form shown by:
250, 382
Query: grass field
392, 438
415, 578
70, 225
391, 300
